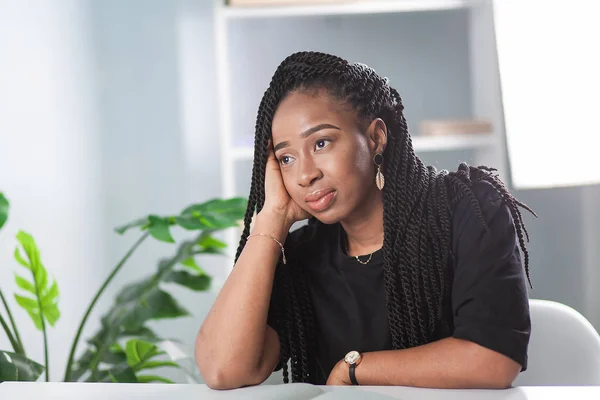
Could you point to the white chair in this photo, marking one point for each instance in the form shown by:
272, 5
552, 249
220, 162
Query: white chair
564, 348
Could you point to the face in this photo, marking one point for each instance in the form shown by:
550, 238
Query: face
326, 159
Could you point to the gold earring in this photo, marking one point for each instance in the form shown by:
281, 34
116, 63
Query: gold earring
379, 178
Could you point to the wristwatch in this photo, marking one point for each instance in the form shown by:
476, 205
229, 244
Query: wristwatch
353, 358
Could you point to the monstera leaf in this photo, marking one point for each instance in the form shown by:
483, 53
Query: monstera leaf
16, 367
137, 356
3, 210
42, 301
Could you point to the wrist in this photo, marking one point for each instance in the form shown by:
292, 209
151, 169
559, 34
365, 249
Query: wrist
353, 360
273, 224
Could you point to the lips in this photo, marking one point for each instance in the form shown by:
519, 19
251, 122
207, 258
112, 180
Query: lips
317, 195
320, 200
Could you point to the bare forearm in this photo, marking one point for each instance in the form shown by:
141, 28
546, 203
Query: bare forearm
447, 363
234, 332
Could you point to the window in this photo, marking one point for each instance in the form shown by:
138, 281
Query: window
549, 59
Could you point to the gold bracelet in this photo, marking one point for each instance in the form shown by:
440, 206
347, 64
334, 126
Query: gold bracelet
278, 242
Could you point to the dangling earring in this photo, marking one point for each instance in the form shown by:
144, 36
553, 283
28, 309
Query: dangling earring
379, 178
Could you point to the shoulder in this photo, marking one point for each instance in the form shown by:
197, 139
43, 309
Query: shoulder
480, 215
484, 196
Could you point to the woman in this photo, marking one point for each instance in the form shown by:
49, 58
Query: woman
404, 275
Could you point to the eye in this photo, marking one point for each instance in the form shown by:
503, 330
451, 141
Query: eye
321, 144
284, 160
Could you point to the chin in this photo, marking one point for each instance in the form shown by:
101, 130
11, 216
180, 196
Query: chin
328, 217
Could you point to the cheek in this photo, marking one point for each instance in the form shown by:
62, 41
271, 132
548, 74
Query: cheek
289, 182
357, 174
357, 164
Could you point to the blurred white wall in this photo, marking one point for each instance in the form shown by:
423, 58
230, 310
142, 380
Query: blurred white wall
49, 158
108, 112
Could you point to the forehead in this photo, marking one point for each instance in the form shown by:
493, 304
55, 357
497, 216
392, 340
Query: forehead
300, 111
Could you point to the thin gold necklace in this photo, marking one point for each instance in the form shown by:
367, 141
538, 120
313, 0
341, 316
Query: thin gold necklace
358, 259
364, 262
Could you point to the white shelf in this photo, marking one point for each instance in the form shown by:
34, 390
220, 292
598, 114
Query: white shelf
453, 142
421, 144
349, 8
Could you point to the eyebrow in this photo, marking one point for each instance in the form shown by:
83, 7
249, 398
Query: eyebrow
306, 134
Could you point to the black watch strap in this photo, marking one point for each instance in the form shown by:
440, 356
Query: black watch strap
352, 371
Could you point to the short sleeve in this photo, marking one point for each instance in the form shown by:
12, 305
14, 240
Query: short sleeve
489, 295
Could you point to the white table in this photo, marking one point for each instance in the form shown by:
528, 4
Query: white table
123, 391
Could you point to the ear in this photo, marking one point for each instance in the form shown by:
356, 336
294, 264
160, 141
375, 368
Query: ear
377, 135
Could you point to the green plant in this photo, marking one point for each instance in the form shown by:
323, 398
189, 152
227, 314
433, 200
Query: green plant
124, 346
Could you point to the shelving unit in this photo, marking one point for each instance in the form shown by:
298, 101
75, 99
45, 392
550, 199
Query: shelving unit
484, 81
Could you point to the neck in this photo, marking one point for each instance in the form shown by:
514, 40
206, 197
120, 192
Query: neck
364, 228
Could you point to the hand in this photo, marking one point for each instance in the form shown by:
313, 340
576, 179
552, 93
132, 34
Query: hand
277, 199
339, 375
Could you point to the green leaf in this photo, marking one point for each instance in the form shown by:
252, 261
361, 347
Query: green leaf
164, 305
122, 375
191, 222
234, 208
135, 290
210, 242
158, 364
153, 378
4, 206
115, 357
139, 351
210, 245
213, 214
159, 229
155, 304
52, 293
26, 302
45, 301
15, 367
143, 333
31, 250
40, 277
194, 282
24, 284
141, 223
218, 221
20, 259
191, 263
52, 313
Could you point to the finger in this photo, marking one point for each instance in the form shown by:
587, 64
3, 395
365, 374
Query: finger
270, 145
270, 150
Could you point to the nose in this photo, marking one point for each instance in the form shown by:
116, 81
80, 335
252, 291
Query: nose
308, 172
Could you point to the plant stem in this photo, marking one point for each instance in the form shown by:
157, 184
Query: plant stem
93, 303
46, 360
43, 320
100, 353
12, 340
14, 326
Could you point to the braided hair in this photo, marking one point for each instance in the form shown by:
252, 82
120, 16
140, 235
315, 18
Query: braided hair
417, 202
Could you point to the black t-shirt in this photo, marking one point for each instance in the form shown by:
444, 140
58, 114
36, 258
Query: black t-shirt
489, 301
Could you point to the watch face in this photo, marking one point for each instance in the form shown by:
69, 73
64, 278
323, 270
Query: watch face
352, 357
